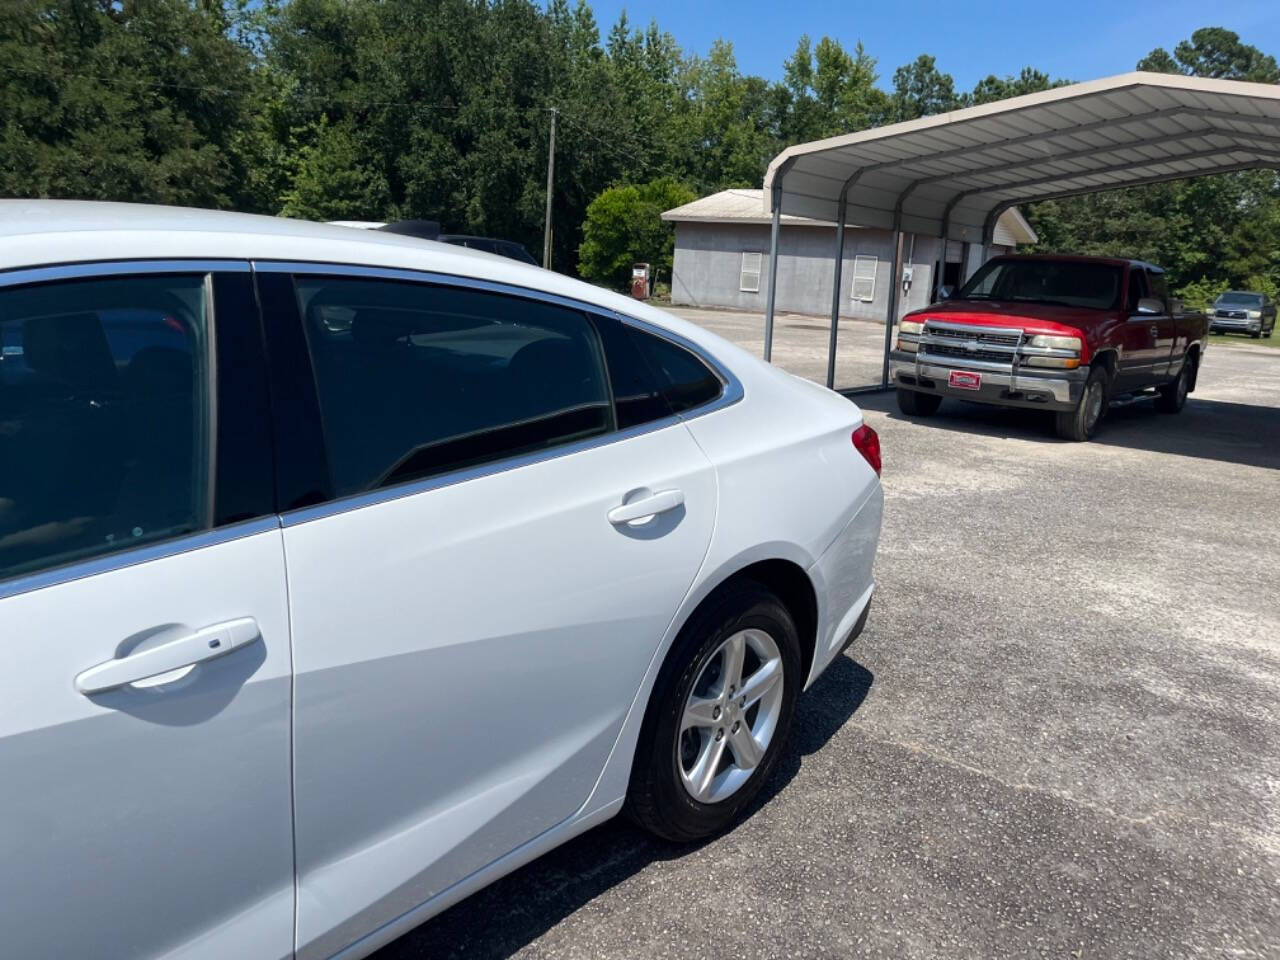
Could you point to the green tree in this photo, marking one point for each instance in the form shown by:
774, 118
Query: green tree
993, 88
141, 100
920, 89
624, 225
1214, 52
828, 91
333, 180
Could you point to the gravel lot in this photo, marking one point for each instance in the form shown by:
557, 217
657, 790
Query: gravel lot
1059, 735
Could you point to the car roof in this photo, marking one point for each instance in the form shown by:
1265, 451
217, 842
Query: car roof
1081, 258
40, 233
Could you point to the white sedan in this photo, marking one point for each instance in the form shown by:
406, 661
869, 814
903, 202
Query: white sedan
342, 573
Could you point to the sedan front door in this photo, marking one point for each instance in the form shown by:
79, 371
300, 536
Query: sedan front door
144, 634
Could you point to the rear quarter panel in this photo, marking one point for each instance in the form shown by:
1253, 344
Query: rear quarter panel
789, 482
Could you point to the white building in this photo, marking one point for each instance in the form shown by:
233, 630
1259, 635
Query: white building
722, 259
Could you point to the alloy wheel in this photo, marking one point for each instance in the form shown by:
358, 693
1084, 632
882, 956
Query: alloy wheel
730, 716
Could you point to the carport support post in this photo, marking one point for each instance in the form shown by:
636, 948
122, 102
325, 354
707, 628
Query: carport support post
773, 269
895, 284
835, 290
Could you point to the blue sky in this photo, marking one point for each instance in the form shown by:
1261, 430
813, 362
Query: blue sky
1075, 39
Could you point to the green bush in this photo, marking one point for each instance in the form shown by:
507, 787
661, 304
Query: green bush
1201, 293
624, 226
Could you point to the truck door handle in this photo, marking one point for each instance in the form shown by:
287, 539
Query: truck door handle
205, 644
646, 507
1155, 331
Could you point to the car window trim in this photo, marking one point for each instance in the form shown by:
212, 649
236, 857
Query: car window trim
731, 389
110, 268
110, 562
206, 535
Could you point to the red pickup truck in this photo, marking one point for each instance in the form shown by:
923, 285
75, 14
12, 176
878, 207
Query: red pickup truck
1067, 334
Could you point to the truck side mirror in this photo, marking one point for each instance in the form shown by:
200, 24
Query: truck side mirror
946, 292
1149, 306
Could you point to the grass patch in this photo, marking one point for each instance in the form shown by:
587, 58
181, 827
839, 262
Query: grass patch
1236, 339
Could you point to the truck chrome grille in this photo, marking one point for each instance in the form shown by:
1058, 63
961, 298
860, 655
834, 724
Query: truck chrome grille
976, 333
962, 353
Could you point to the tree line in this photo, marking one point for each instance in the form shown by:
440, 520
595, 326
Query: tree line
441, 109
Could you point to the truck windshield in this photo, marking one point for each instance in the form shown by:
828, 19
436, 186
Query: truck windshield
1067, 283
1243, 299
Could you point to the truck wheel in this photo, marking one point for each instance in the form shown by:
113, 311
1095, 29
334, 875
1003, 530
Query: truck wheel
915, 404
1173, 396
1079, 424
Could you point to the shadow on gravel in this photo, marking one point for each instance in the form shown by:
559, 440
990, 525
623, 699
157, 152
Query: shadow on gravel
1240, 433
509, 914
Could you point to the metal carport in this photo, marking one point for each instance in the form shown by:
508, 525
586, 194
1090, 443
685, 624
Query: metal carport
951, 175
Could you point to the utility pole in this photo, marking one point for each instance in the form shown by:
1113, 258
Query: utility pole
551, 173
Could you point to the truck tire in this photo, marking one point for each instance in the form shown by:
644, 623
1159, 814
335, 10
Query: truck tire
1081, 423
1173, 396
915, 404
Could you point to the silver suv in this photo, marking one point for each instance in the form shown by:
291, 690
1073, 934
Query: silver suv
1240, 311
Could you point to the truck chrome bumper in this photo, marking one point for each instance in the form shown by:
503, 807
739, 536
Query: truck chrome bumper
1058, 390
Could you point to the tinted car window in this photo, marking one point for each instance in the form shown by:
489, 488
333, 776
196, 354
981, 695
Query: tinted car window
1242, 299
516, 252
1070, 283
638, 394
1137, 289
104, 426
687, 381
416, 380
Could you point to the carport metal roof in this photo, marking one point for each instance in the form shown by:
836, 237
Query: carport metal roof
951, 175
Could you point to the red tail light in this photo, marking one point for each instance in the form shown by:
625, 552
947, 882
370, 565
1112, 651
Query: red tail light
867, 442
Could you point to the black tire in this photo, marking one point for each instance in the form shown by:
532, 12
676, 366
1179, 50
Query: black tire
1257, 335
657, 798
1173, 396
1081, 423
916, 404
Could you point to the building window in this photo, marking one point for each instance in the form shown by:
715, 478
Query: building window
864, 279
749, 281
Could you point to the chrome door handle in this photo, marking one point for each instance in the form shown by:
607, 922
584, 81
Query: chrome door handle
205, 644
1155, 331
646, 507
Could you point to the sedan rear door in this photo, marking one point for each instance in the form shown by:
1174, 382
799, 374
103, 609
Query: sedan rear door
144, 635
500, 549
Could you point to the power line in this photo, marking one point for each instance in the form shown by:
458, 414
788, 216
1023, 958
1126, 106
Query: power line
611, 147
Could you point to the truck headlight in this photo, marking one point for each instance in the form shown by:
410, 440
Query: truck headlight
1057, 343
910, 326
1254, 314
